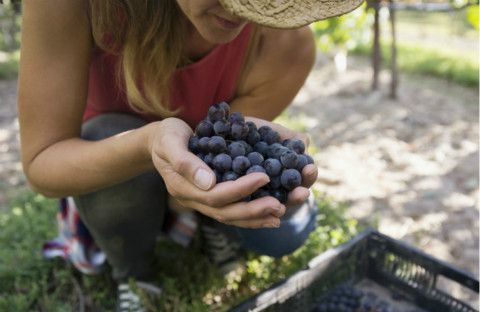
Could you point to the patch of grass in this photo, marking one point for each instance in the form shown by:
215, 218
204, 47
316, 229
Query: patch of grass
416, 59
31, 283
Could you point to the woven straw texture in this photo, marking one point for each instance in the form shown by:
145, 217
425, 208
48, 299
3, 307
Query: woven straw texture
288, 13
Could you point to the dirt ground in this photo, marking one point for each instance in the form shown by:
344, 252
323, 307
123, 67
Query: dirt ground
408, 166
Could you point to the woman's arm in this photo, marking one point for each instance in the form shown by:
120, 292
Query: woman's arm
53, 81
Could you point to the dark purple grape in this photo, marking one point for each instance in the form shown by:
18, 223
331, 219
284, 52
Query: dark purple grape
239, 131
290, 179
285, 142
253, 138
255, 168
272, 166
193, 144
255, 158
248, 148
236, 149
225, 107
289, 160
221, 128
251, 126
302, 162
236, 117
272, 137
222, 162
261, 147
229, 176
203, 144
204, 129
216, 113
217, 145
260, 193
309, 158
273, 150
296, 145
274, 183
218, 176
208, 159
263, 130
280, 195
240, 164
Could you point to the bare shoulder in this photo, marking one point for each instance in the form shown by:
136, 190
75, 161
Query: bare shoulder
291, 44
280, 52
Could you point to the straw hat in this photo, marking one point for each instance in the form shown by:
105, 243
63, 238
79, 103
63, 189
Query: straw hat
288, 13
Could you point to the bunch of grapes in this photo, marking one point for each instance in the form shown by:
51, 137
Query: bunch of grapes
343, 298
233, 147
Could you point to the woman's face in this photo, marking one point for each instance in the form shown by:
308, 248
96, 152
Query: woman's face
214, 24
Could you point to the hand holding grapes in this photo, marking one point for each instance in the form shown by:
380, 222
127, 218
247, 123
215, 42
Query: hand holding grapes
233, 147
192, 183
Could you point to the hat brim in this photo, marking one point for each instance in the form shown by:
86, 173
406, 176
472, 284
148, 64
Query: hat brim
289, 13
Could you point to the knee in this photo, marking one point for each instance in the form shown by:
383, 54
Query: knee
281, 241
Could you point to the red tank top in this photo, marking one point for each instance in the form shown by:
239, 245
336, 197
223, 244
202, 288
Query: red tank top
195, 87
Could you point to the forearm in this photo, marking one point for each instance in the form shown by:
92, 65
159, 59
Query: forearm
75, 166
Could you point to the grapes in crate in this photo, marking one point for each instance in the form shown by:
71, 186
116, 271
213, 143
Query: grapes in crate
233, 147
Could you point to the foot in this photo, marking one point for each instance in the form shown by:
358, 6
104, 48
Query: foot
223, 251
129, 300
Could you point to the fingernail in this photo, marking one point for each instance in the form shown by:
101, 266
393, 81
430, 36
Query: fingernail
203, 179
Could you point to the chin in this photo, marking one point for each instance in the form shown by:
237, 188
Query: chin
218, 35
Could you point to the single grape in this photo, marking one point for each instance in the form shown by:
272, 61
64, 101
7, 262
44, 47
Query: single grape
251, 126
203, 144
204, 129
208, 159
255, 158
236, 117
221, 128
272, 137
222, 162
216, 113
240, 164
302, 162
193, 144
272, 166
261, 147
290, 179
289, 159
239, 131
274, 183
225, 107
263, 130
296, 145
217, 145
236, 149
253, 137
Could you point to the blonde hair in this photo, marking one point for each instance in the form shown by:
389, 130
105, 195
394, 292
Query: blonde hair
149, 36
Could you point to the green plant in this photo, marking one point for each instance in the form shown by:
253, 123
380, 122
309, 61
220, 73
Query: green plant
344, 31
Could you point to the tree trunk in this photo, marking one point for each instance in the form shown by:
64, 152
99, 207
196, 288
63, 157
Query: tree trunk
376, 57
394, 69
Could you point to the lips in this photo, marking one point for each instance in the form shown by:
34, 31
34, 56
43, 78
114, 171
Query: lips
226, 23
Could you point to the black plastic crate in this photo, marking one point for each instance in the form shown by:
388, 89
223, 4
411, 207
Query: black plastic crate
401, 269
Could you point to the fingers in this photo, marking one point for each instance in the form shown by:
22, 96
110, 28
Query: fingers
309, 175
172, 148
218, 196
297, 196
262, 212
